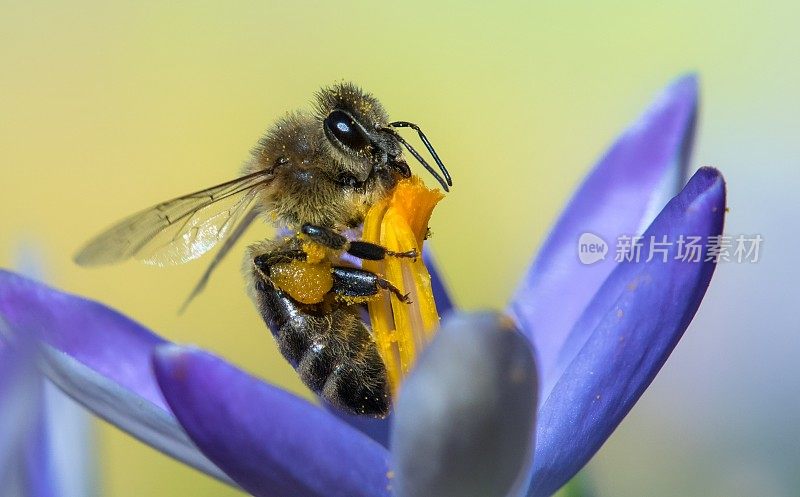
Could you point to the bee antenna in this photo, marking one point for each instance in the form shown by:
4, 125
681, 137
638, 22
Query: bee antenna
406, 124
434, 173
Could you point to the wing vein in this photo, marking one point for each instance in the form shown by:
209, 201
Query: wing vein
180, 229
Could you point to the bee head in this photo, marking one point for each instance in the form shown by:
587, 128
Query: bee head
358, 128
352, 121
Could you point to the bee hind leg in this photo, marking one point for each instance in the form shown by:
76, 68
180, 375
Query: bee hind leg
359, 248
329, 346
265, 261
354, 282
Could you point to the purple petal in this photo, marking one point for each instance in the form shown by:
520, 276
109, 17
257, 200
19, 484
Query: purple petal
625, 336
374, 428
101, 359
465, 415
642, 170
269, 441
25, 464
39, 471
101, 338
20, 402
46, 466
72, 444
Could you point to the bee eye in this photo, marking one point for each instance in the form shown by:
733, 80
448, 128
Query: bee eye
343, 128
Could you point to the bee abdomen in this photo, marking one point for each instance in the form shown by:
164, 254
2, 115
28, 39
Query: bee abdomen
317, 364
342, 365
360, 384
333, 352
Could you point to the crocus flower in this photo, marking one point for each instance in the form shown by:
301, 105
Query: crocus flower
44, 437
473, 418
19, 410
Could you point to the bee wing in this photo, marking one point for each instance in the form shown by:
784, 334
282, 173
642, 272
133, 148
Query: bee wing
178, 230
226, 247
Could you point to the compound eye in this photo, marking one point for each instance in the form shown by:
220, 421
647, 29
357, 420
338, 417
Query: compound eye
344, 129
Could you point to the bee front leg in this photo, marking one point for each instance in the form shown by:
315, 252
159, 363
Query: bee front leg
359, 248
354, 282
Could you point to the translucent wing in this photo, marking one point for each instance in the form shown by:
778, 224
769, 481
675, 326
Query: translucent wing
178, 230
226, 247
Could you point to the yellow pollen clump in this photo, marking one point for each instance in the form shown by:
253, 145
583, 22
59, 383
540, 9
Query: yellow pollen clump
400, 224
303, 281
314, 252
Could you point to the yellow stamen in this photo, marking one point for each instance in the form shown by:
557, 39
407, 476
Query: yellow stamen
400, 224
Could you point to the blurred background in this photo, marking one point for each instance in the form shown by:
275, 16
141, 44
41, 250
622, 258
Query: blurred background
110, 107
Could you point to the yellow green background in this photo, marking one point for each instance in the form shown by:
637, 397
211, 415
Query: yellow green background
108, 107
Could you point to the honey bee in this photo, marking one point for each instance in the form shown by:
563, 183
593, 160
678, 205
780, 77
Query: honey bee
314, 174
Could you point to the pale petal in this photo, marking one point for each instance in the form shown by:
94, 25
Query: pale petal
465, 415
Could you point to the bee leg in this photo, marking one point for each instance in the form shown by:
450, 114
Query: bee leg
354, 282
265, 261
374, 252
361, 249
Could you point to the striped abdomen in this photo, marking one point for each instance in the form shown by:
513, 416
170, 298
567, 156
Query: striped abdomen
330, 347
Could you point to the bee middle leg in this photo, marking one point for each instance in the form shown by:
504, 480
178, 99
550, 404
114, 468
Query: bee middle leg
354, 282
359, 248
